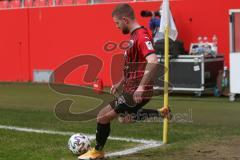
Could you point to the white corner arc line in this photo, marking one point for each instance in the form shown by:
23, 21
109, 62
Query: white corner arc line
145, 144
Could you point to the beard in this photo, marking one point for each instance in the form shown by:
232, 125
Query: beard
125, 30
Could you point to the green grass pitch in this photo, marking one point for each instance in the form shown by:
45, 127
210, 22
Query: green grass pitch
198, 120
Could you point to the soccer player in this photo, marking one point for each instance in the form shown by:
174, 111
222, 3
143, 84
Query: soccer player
136, 84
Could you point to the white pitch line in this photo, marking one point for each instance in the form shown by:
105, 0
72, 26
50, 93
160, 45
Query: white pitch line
91, 137
134, 150
143, 141
145, 144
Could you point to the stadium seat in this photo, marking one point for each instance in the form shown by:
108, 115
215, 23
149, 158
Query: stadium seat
58, 2
71, 2
39, 3
111, 1
27, 3
14, 4
68, 2
82, 1
3, 4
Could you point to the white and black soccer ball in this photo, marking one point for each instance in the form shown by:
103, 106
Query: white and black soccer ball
79, 144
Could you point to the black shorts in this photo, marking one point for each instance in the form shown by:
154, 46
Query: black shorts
125, 104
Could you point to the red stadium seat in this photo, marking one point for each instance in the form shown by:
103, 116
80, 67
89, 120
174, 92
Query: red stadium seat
70, 2
49, 3
3, 4
58, 2
39, 3
82, 1
42, 3
111, 1
28, 3
14, 4
67, 2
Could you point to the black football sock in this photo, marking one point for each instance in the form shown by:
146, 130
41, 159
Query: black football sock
102, 133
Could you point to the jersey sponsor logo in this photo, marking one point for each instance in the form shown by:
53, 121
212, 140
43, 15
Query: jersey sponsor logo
149, 45
131, 42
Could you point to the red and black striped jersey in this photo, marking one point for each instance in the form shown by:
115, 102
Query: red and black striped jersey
140, 46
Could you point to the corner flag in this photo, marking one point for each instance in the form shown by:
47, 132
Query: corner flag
168, 29
167, 21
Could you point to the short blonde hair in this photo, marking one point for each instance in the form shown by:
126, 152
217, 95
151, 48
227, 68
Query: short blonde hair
123, 10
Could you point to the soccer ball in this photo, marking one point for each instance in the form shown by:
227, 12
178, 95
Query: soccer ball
79, 144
